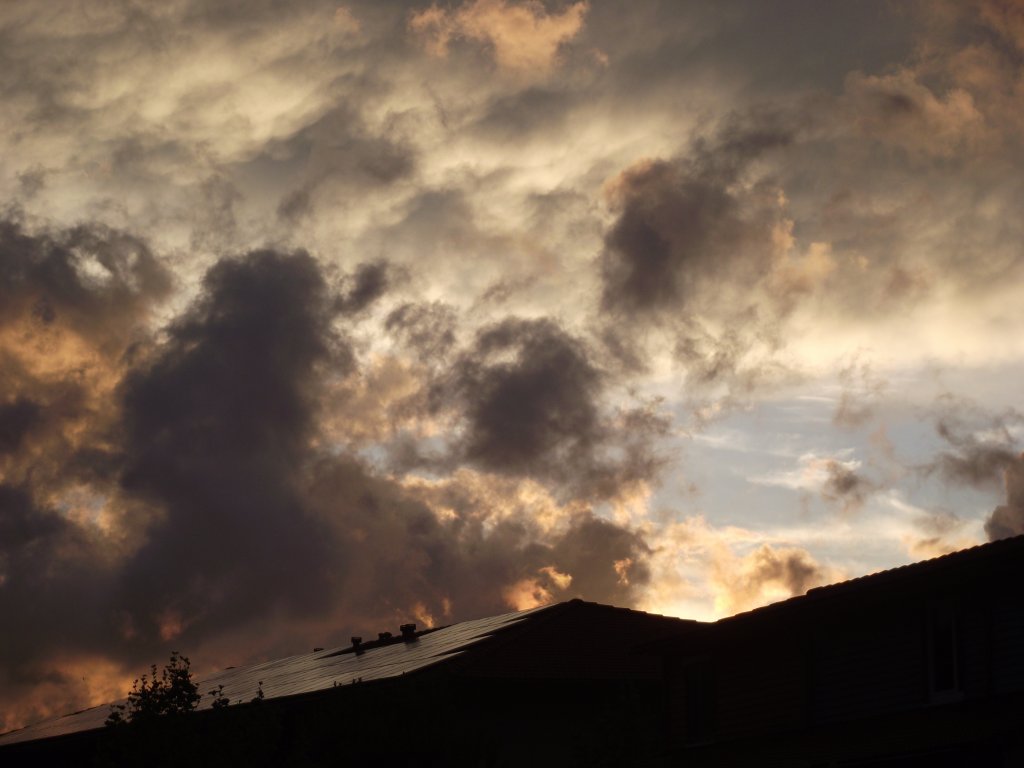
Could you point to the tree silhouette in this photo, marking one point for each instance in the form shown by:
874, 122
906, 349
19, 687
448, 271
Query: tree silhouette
173, 693
157, 725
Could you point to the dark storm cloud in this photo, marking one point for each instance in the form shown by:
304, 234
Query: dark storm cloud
207, 437
536, 410
697, 256
984, 453
196, 122
54, 582
531, 396
977, 464
975, 460
845, 485
52, 575
92, 279
681, 222
400, 553
643, 269
224, 507
217, 428
16, 419
793, 568
21, 523
369, 283
1008, 519
73, 305
427, 330
605, 560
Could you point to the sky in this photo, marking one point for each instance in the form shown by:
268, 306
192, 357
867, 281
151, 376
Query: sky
317, 318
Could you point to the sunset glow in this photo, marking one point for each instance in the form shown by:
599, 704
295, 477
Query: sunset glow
321, 319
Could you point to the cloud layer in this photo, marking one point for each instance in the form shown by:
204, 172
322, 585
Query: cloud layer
314, 322
206, 496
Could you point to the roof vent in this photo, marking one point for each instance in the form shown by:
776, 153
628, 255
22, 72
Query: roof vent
356, 642
408, 632
382, 636
317, 650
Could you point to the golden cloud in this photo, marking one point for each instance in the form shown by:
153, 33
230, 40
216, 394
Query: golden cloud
525, 38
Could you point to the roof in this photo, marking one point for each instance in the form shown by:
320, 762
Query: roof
308, 672
574, 638
892, 582
919, 573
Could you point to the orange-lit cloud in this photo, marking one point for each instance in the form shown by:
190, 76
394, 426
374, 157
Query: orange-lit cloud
709, 572
899, 109
63, 685
766, 575
316, 323
1005, 17
534, 592
524, 36
347, 20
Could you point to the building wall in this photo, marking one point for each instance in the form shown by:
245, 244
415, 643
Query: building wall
873, 664
1007, 643
927, 670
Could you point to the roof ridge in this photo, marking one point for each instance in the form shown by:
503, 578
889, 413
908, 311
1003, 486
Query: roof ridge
907, 569
623, 609
956, 554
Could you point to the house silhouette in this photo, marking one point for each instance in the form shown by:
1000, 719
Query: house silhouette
556, 685
921, 665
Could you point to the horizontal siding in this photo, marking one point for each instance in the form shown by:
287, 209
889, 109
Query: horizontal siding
760, 691
869, 666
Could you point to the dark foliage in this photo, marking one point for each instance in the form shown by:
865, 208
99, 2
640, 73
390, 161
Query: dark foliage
172, 694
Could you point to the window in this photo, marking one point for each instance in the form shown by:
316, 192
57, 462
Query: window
944, 657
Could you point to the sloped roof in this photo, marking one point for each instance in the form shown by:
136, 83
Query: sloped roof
983, 560
309, 672
570, 639
919, 573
